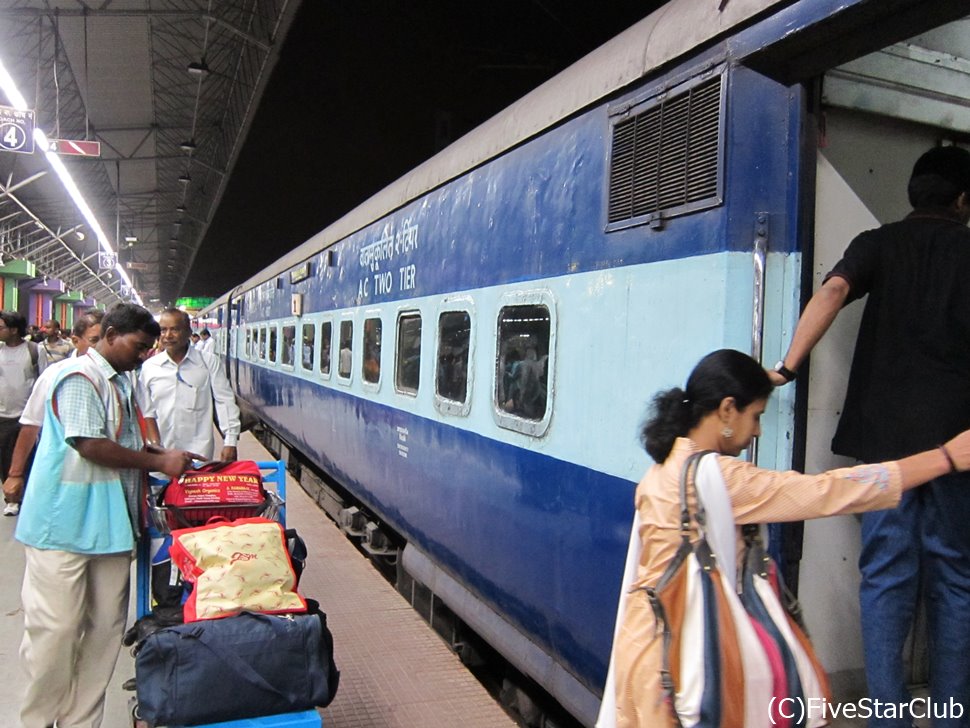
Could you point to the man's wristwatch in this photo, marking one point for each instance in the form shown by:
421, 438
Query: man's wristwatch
787, 374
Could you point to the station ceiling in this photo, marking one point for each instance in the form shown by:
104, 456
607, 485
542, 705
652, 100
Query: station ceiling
169, 89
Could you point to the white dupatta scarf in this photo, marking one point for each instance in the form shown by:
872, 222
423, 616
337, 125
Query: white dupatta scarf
721, 535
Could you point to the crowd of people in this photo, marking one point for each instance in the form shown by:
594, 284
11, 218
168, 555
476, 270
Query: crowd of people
124, 395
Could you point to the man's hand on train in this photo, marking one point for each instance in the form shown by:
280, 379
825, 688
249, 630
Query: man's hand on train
776, 379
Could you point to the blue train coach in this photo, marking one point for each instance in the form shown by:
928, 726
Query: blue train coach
470, 352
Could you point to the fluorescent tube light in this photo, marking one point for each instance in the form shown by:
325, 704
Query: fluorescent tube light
40, 138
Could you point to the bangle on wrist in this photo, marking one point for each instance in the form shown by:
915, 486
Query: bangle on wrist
949, 459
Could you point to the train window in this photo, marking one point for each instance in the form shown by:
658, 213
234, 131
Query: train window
408, 372
249, 343
306, 351
521, 383
288, 353
346, 357
273, 336
326, 339
261, 341
454, 337
371, 367
666, 155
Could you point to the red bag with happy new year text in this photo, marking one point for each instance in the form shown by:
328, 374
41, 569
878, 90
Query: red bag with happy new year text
227, 489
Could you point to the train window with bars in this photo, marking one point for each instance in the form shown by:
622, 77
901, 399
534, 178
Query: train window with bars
326, 339
371, 364
408, 368
288, 353
249, 342
307, 346
454, 341
666, 159
261, 342
273, 338
521, 376
345, 356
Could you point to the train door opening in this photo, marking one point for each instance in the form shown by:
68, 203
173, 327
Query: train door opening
876, 115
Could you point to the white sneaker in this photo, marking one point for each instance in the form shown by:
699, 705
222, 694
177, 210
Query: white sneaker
11, 509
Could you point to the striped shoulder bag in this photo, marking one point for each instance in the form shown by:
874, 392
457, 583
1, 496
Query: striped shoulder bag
734, 653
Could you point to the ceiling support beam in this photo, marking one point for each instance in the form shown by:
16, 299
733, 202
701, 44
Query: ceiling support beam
5, 190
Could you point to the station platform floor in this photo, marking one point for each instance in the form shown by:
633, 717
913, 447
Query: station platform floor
396, 672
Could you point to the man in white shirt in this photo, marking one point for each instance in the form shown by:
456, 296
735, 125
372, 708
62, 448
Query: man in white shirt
178, 387
206, 344
20, 365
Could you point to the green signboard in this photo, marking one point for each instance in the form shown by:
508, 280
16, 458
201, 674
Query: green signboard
196, 303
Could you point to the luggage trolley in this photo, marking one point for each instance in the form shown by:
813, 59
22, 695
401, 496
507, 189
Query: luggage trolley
274, 473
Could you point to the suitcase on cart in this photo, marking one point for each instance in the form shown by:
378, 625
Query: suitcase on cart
274, 475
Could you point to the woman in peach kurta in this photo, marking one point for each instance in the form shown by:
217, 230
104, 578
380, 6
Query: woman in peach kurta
720, 410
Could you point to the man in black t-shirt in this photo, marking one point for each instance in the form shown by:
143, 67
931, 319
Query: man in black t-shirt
908, 391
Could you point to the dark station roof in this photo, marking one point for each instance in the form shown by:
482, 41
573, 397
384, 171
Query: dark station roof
169, 89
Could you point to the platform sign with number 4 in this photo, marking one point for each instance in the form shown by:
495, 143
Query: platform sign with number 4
16, 130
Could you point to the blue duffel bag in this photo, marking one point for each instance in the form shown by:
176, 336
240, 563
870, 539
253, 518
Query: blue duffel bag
239, 667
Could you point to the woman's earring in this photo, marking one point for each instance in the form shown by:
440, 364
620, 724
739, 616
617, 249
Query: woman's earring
728, 433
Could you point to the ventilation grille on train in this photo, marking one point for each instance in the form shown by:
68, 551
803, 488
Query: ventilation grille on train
666, 158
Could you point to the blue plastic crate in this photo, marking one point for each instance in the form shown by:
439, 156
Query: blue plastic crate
304, 719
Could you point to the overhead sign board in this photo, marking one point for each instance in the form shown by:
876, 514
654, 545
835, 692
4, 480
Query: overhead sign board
132, 265
75, 147
107, 261
16, 130
193, 303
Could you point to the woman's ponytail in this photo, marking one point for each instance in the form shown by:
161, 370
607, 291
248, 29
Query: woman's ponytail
720, 374
670, 417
